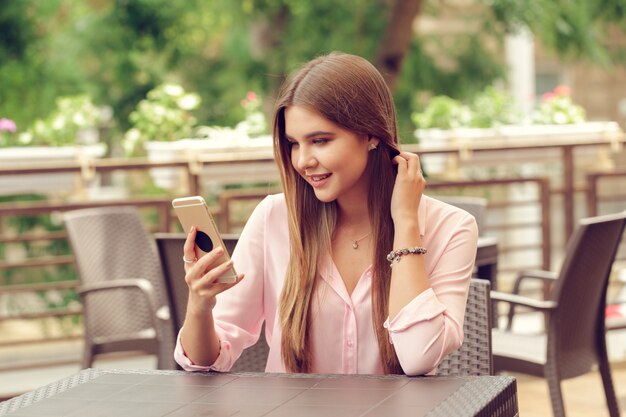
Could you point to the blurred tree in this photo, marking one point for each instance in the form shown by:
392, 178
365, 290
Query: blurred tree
33, 72
396, 40
117, 50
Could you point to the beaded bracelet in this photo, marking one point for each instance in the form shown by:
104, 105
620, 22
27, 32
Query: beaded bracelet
395, 255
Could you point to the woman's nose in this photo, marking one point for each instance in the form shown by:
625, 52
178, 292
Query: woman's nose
304, 159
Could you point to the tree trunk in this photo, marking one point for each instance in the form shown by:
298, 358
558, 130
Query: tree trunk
266, 36
396, 40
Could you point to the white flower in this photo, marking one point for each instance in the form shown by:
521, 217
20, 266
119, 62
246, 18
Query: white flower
159, 111
188, 101
173, 90
133, 135
25, 138
58, 123
79, 119
560, 118
131, 139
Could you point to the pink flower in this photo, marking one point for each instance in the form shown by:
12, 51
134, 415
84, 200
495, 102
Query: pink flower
548, 96
7, 125
251, 96
562, 90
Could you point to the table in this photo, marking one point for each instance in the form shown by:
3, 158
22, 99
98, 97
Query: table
486, 264
487, 260
106, 392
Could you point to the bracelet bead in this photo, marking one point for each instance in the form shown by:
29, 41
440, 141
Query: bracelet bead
396, 255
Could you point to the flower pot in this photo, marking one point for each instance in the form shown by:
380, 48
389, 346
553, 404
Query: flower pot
220, 149
46, 183
524, 138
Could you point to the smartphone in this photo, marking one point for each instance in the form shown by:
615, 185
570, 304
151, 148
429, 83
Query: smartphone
193, 211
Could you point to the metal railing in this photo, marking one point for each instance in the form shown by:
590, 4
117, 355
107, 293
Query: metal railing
614, 195
192, 169
606, 194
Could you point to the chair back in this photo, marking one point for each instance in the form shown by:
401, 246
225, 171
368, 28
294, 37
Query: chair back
476, 206
576, 328
474, 355
111, 244
170, 246
170, 250
472, 358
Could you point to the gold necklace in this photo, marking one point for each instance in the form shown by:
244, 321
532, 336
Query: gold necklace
355, 243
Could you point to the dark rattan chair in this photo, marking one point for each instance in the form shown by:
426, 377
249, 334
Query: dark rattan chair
573, 342
170, 246
474, 356
121, 284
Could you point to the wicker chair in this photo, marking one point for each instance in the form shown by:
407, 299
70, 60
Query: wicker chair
170, 246
574, 340
121, 284
474, 356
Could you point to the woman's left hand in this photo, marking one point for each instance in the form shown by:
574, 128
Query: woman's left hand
408, 189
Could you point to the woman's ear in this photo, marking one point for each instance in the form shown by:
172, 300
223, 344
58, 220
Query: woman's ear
372, 143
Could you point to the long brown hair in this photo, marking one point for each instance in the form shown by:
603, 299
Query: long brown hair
350, 92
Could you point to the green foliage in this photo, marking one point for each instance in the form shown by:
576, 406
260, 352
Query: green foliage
493, 107
62, 127
116, 51
422, 77
443, 112
36, 64
18, 31
19, 225
572, 29
164, 115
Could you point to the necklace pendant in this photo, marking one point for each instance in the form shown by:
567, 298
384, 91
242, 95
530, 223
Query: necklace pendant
355, 245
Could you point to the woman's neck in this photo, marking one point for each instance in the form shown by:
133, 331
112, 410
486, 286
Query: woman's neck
353, 216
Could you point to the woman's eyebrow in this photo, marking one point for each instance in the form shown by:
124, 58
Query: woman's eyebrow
312, 135
318, 133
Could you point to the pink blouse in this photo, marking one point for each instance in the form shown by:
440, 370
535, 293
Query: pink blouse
343, 339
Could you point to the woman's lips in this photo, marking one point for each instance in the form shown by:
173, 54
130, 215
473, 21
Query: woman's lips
318, 181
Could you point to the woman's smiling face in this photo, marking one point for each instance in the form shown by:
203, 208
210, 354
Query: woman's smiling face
331, 159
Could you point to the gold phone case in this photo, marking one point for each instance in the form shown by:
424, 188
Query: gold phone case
193, 211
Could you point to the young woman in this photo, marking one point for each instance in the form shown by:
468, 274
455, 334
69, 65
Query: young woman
352, 269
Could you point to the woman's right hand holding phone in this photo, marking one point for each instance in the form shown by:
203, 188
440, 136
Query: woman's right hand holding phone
201, 276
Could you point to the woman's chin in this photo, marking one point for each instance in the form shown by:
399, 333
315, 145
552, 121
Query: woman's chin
325, 197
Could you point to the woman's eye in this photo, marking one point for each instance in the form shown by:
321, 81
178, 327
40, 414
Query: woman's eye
320, 141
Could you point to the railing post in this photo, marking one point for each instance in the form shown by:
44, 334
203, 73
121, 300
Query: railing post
568, 189
546, 234
592, 194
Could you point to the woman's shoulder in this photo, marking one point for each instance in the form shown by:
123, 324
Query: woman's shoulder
273, 206
440, 208
442, 219
270, 214
274, 202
